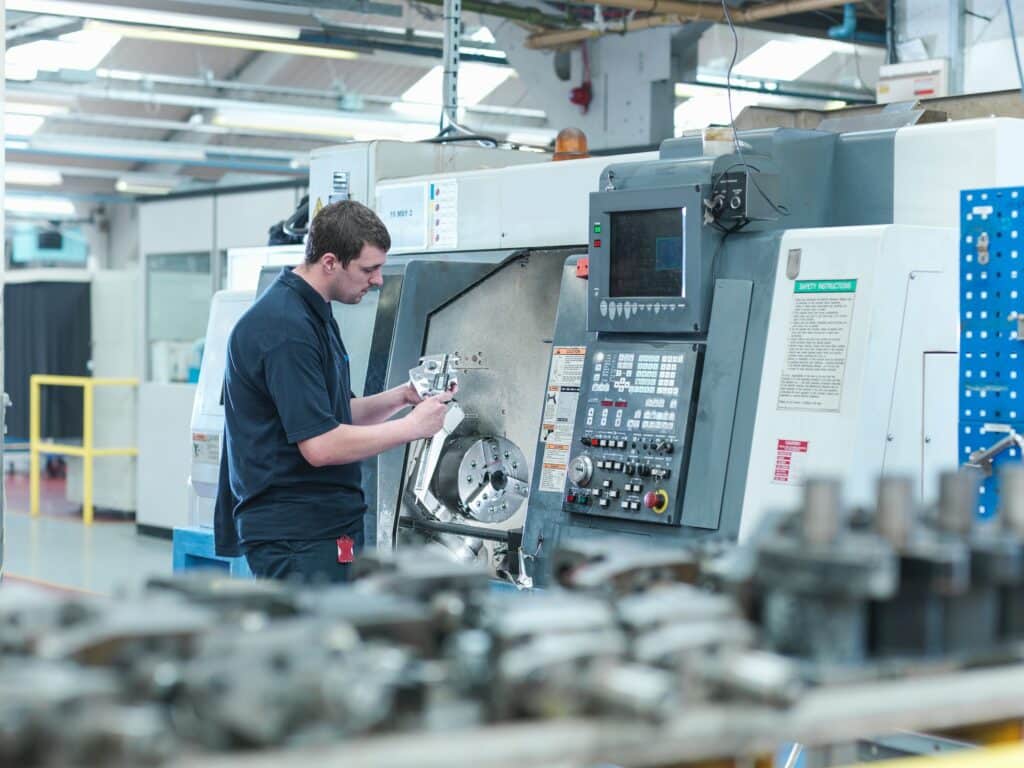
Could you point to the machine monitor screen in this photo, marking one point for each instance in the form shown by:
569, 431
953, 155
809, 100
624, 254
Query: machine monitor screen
647, 253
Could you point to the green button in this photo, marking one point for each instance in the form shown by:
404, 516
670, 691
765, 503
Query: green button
597, 229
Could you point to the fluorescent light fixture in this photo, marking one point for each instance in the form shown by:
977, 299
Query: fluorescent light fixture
144, 186
22, 125
352, 127
15, 144
476, 82
26, 175
24, 108
788, 59
41, 206
225, 41
82, 50
106, 12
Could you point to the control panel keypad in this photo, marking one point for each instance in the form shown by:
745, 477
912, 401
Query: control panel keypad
632, 431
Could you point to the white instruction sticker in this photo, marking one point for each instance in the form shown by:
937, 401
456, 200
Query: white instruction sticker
403, 210
561, 397
816, 349
443, 207
206, 447
790, 462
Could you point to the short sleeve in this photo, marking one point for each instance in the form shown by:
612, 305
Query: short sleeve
295, 380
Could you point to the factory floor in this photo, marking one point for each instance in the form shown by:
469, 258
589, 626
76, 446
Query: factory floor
57, 551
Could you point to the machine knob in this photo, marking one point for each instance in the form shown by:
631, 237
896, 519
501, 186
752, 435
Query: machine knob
581, 470
657, 501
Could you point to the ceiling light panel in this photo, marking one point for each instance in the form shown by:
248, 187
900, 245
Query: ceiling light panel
82, 50
22, 125
41, 206
225, 41
787, 59
153, 18
26, 108
29, 176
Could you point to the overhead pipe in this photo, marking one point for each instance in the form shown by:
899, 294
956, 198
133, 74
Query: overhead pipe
679, 12
848, 29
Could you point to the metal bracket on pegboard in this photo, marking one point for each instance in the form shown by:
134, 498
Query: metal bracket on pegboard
991, 399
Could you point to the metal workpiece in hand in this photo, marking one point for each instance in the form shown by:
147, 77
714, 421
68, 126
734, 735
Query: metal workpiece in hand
435, 375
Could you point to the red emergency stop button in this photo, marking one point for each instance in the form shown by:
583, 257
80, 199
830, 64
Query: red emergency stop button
571, 498
657, 501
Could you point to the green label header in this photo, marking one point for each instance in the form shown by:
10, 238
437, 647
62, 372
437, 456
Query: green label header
825, 286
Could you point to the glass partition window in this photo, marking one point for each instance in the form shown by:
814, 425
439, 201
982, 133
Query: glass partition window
179, 289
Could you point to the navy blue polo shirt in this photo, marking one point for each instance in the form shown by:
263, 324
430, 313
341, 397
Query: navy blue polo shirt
286, 379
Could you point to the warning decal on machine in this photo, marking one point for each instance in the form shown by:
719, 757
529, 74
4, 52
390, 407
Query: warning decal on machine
790, 459
817, 345
561, 397
206, 447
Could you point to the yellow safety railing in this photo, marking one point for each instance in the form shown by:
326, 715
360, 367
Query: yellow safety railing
87, 451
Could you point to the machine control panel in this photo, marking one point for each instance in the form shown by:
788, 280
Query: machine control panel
633, 425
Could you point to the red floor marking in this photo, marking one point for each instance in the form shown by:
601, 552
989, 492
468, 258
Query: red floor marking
46, 585
53, 500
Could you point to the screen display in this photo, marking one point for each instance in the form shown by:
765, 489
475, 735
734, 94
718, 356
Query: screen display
647, 253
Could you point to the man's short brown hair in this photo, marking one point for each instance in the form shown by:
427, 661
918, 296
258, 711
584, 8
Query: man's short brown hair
343, 228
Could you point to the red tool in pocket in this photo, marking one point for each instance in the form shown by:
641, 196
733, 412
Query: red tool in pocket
346, 549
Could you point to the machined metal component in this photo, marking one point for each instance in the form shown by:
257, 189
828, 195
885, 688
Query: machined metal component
435, 375
483, 478
894, 518
618, 566
822, 511
958, 495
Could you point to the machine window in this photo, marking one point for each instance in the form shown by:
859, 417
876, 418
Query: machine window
647, 253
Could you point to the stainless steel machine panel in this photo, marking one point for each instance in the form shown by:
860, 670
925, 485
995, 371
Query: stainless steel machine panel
501, 329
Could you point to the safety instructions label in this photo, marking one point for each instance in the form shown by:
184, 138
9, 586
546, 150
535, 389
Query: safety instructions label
206, 447
790, 461
561, 397
817, 345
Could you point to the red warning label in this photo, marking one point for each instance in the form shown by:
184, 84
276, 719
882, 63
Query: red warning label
790, 457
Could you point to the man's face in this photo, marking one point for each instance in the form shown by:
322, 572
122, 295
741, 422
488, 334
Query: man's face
349, 284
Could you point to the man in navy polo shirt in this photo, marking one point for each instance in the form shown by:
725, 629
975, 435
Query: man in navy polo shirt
290, 496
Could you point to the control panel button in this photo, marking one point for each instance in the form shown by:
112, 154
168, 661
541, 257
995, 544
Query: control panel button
661, 474
603, 443
630, 469
620, 444
656, 501
624, 505
571, 498
634, 505
613, 494
602, 502
606, 483
581, 470
617, 466
585, 441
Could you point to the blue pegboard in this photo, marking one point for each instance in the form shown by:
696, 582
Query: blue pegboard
991, 298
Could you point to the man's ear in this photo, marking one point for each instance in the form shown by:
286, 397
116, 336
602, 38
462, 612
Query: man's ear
330, 262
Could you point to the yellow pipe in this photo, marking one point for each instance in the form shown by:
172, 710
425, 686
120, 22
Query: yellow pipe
33, 445
88, 392
60, 449
83, 381
115, 452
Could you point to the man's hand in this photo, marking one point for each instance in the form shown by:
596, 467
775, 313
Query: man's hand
427, 418
411, 397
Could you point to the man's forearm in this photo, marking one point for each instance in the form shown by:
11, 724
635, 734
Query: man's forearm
381, 407
349, 443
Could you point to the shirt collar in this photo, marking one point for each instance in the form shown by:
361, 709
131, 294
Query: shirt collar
316, 302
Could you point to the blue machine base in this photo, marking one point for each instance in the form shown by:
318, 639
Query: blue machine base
193, 550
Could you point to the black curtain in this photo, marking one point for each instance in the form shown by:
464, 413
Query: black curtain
47, 329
